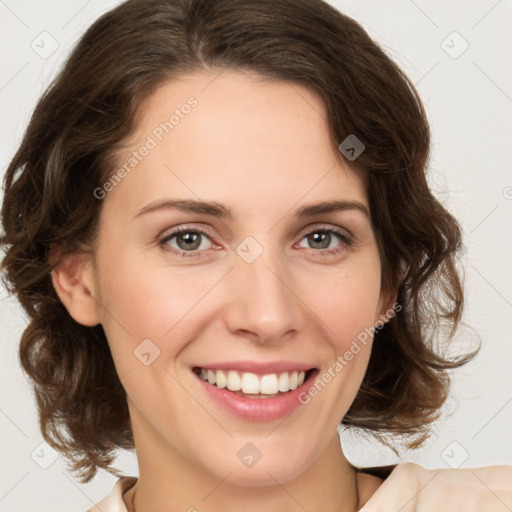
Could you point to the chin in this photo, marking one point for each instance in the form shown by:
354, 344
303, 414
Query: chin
268, 473
248, 465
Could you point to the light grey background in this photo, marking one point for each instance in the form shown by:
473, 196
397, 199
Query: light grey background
469, 103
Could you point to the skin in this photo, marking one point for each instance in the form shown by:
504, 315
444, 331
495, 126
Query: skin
262, 149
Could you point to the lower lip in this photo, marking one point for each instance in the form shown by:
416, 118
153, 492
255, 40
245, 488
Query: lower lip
257, 409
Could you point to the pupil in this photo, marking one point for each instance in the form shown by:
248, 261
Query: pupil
189, 241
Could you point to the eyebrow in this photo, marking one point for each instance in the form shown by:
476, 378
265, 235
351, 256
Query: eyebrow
188, 205
332, 206
219, 210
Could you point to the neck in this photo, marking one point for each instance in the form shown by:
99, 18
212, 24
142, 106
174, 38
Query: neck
168, 482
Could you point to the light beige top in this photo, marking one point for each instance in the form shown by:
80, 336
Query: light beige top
115, 502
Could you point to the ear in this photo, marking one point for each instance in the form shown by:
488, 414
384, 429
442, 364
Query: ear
74, 281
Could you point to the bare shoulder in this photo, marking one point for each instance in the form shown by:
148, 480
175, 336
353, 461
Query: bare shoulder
370, 479
367, 486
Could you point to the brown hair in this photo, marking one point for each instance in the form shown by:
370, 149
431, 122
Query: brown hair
90, 109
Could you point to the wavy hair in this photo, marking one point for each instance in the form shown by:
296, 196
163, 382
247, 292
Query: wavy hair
90, 109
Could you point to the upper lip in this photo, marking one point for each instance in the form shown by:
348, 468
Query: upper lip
256, 367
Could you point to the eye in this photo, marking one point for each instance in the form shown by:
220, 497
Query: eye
325, 239
187, 240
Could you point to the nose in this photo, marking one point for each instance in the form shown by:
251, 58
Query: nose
262, 303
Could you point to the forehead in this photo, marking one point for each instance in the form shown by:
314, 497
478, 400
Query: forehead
235, 136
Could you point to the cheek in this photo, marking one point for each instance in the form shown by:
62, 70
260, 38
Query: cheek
140, 301
347, 308
347, 301
149, 317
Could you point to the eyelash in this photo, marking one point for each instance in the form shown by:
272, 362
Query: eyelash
346, 241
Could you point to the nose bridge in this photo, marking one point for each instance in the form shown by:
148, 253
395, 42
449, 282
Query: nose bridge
261, 301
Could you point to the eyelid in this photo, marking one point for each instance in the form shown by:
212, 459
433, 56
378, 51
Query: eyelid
342, 232
185, 228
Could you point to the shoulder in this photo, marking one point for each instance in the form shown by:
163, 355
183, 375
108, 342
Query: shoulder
114, 502
369, 480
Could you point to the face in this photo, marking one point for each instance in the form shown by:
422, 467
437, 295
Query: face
237, 249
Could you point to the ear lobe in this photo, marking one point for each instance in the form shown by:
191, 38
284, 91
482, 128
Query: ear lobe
73, 280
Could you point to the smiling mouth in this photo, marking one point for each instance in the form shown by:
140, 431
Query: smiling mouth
251, 385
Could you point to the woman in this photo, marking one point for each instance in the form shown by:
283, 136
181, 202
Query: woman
219, 224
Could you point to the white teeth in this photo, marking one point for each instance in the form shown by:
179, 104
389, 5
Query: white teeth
284, 382
233, 382
220, 379
268, 384
294, 380
252, 384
